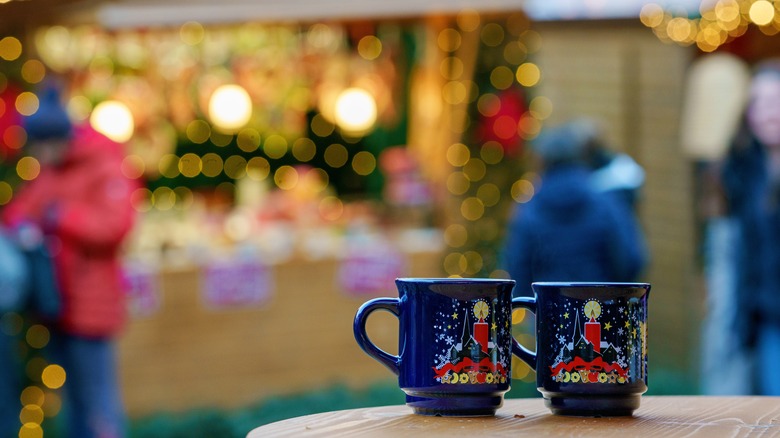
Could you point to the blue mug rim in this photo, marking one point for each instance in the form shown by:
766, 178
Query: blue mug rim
452, 280
589, 284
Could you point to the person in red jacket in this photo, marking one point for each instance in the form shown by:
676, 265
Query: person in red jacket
81, 202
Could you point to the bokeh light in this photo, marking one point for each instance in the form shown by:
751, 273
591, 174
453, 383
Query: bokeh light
190, 165
522, 191
492, 34
458, 183
31, 430
198, 131
258, 168
212, 165
541, 107
475, 169
37, 336
364, 163
32, 395
474, 262
31, 414
248, 140
454, 92
449, 40
331, 208
502, 77
304, 149
336, 155
468, 19
286, 177
458, 154
192, 33
762, 12
455, 263
488, 104
515, 53
53, 376
491, 152
28, 168
220, 139
230, 107
163, 198
275, 146
27, 103
53, 404
15, 137
451, 68
235, 166
455, 235
472, 208
79, 108
114, 120
133, 167
528, 74
33, 71
369, 47
529, 127
355, 110
168, 166
321, 127
141, 200
10, 48
651, 15
6, 193
489, 193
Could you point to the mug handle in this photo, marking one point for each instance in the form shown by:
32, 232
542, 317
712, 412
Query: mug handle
523, 353
359, 327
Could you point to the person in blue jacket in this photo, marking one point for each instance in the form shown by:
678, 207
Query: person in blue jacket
570, 230
751, 178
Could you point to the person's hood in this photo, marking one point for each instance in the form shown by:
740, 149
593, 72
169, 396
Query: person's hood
565, 190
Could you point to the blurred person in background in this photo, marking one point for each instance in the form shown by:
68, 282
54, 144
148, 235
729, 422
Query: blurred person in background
751, 180
570, 230
13, 288
80, 204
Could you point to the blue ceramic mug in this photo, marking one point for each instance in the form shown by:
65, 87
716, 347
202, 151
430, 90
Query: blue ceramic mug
591, 346
455, 344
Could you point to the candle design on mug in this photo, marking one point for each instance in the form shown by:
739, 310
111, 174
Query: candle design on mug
595, 351
468, 338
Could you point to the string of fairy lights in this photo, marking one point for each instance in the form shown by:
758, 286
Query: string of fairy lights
719, 22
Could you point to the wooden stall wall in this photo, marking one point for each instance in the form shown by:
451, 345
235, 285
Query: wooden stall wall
187, 355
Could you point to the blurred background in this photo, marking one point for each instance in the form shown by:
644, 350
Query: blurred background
295, 157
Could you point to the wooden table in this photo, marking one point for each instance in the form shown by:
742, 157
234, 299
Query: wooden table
709, 417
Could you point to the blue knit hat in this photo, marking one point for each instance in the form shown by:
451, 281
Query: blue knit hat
565, 143
50, 122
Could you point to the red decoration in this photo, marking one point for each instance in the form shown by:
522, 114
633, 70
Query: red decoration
502, 125
12, 135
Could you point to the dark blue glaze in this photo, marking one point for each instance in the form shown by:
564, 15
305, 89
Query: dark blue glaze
597, 331
448, 328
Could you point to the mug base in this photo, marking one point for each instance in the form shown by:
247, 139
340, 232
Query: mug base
592, 405
459, 406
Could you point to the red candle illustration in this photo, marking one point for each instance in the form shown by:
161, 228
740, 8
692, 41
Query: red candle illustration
481, 329
592, 327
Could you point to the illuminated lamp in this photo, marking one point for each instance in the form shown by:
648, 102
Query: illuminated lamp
114, 120
230, 107
356, 110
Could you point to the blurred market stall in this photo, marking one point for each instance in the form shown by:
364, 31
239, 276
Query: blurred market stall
298, 156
